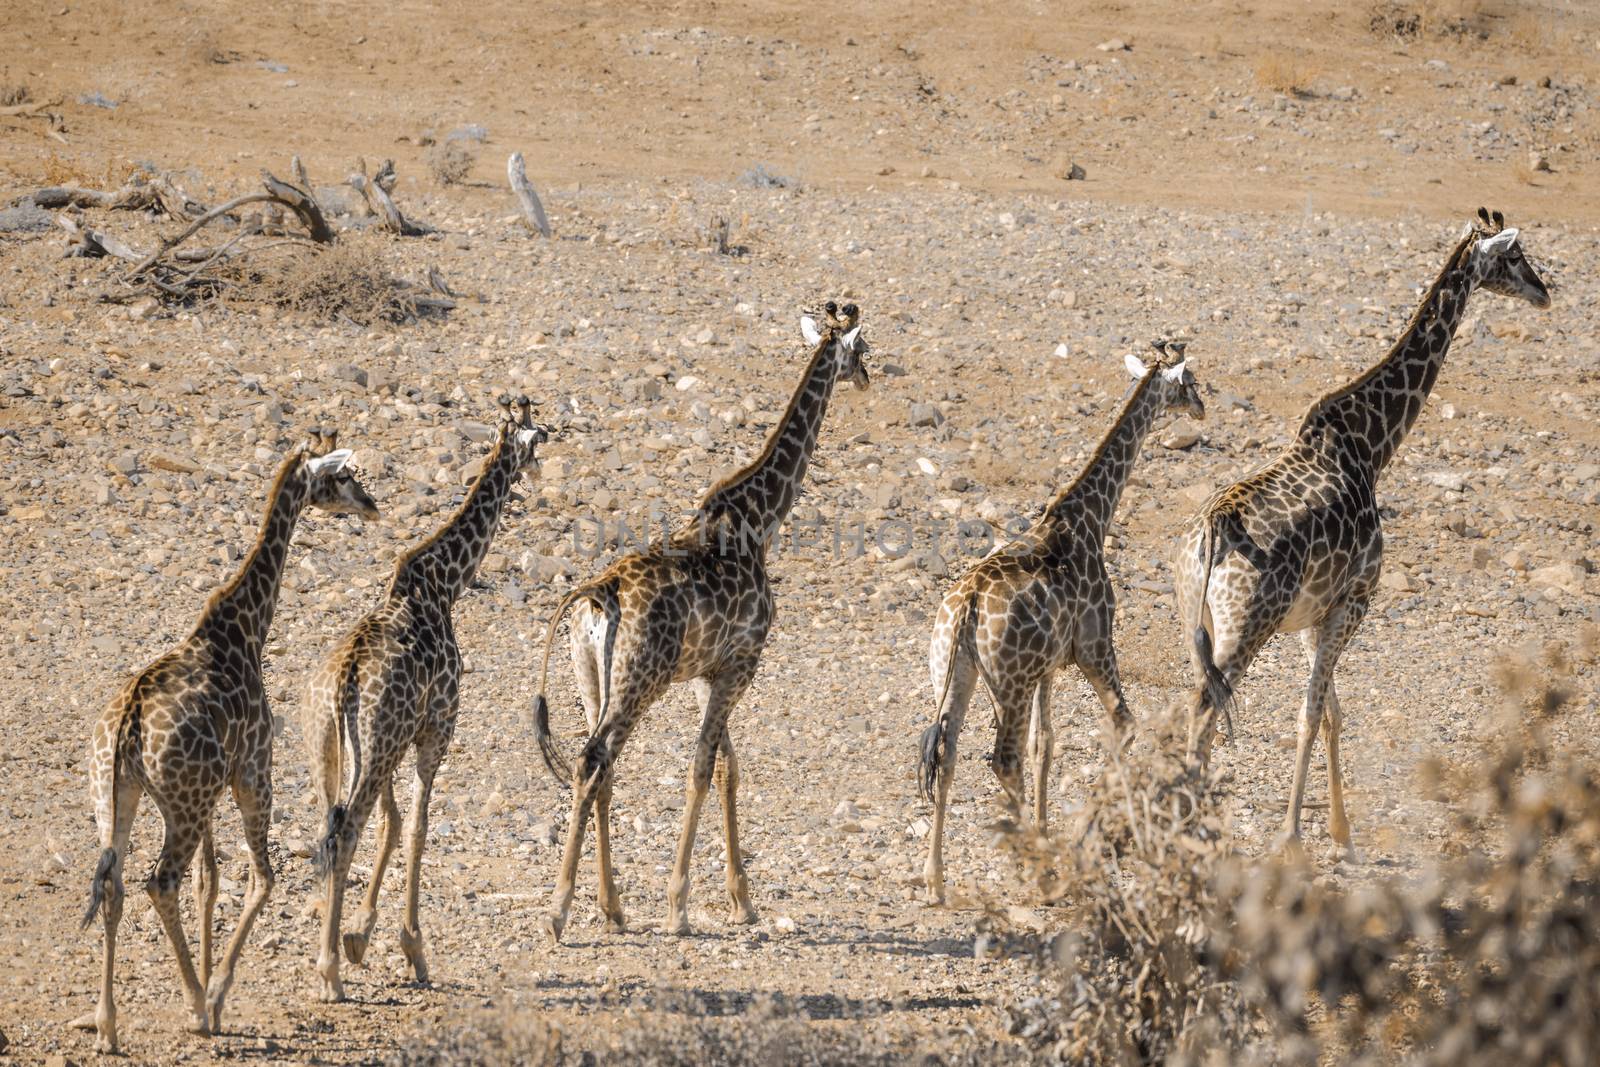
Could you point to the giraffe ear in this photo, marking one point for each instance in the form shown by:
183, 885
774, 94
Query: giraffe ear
1135, 365
1499, 242
808, 330
849, 339
1174, 373
333, 462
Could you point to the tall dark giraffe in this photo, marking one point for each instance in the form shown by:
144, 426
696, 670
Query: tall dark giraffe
194, 722
697, 610
1039, 604
1298, 544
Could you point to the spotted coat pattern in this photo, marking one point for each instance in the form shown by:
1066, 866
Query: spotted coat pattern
1039, 604
695, 609
392, 684
1297, 545
195, 722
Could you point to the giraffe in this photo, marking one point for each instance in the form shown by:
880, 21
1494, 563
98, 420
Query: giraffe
1297, 545
696, 608
189, 724
391, 682
1040, 603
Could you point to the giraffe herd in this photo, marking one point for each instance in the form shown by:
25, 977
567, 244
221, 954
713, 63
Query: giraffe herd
1295, 546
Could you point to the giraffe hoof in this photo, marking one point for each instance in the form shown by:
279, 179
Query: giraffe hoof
332, 993
678, 927
553, 925
742, 915
355, 948
199, 1025
1342, 853
616, 924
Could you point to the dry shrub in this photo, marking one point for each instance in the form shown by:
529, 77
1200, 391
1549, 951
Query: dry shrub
1284, 74
12, 95
1407, 19
349, 279
1174, 947
450, 162
1136, 874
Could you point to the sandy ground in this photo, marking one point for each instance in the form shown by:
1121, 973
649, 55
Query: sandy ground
919, 168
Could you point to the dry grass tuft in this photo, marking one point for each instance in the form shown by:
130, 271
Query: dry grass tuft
1285, 74
348, 280
450, 162
11, 95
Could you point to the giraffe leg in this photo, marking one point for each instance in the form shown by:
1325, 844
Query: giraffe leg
1013, 699
721, 696
182, 837
1041, 749
726, 774
115, 808
639, 689
940, 747
605, 876
356, 941
205, 896
343, 835
254, 796
1332, 634
431, 749
1338, 823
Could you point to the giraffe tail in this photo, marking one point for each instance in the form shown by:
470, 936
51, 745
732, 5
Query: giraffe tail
103, 873
1217, 691
128, 722
559, 766
347, 703
935, 741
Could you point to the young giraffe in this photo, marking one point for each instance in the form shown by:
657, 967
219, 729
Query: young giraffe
392, 683
1297, 545
1042, 602
189, 724
696, 609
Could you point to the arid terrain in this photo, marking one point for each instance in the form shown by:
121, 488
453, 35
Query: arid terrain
1275, 182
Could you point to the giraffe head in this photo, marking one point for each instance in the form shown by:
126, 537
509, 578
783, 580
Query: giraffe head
1170, 375
332, 484
841, 329
520, 434
1499, 264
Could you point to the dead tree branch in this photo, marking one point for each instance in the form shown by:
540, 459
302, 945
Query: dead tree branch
532, 209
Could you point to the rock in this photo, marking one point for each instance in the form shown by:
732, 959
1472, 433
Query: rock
1586, 472
1180, 437
26, 217
687, 382
126, 463
1538, 162
1062, 351
349, 372
1071, 172
1399, 581
1567, 577
1449, 481
925, 414
1115, 44
784, 925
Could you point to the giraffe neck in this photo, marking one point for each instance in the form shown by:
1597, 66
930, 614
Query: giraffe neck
758, 498
1367, 419
1091, 500
240, 613
445, 563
